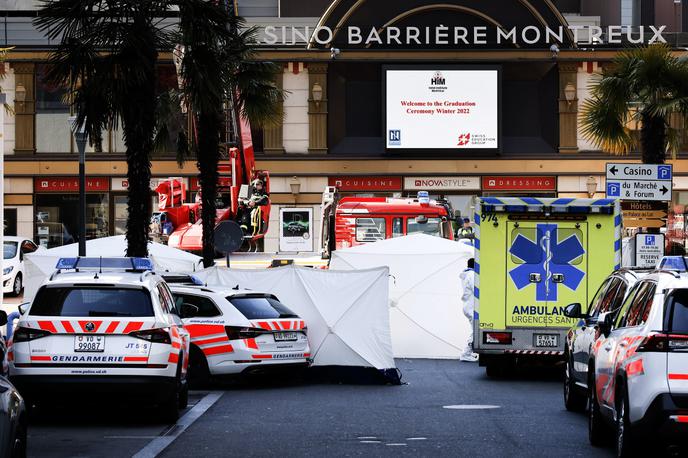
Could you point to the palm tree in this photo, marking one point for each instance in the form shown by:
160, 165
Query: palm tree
647, 87
107, 59
218, 71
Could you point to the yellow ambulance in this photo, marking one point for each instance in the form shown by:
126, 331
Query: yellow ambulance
534, 256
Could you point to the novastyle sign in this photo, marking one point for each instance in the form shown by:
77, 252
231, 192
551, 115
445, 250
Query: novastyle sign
460, 35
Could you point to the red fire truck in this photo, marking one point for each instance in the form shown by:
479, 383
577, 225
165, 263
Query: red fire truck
234, 186
173, 210
351, 221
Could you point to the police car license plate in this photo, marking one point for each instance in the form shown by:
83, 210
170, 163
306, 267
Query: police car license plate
87, 343
546, 340
285, 336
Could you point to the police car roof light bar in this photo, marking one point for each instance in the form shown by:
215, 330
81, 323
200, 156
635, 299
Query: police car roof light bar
130, 264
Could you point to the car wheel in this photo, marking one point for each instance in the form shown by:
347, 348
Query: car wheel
169, 409
184, 397
597, 430
19, 446
494, 369
198, 373
574, 400
625, 445
17, 286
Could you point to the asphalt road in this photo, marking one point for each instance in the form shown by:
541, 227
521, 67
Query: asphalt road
521, 416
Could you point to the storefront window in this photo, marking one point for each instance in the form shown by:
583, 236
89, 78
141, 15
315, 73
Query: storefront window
10, 223
57, 218
676, 224
120, 223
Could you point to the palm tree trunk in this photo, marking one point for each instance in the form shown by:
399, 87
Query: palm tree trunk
653, 139
208, 128
138, 122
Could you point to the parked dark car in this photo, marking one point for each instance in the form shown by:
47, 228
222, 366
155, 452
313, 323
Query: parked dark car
12, 421
582, 335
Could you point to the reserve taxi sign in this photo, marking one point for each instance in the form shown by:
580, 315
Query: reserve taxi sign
649, 249
640, 182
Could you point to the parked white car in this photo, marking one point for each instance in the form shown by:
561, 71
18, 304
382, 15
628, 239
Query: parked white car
14, 249
106, 326
239, 331
639, 366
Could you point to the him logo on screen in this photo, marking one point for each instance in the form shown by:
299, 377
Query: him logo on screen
438, 79
438, 83
394, 138
464, 139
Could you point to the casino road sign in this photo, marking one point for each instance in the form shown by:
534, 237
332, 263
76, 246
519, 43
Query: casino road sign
640, 182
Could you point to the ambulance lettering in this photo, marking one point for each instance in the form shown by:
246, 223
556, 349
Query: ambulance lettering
544, 315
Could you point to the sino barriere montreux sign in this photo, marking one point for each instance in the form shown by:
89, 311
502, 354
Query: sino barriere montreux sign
458, 35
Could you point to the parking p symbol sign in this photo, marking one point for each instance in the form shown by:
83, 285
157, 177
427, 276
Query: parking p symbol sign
650, 240
664, 172
613, 190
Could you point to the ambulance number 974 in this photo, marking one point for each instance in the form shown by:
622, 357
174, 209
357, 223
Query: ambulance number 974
488, 217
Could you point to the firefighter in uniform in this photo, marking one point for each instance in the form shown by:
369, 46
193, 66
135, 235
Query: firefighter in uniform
251, 213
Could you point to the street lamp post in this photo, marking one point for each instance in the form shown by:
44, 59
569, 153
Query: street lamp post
80, 138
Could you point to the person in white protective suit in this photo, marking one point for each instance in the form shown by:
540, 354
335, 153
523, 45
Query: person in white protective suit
467, 297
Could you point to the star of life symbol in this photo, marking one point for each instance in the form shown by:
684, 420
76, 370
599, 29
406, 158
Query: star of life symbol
464, 139
550, 259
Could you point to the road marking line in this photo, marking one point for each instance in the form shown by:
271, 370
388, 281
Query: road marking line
471, 407
367, 437
416, 438
371, 442
157, 445
395, 445
130, 437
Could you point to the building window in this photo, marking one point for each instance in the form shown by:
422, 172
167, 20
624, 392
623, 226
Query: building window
53, 111
258, 8
10, 221
52, 115
57, 218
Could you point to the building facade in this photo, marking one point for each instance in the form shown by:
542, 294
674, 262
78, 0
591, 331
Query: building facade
337, 59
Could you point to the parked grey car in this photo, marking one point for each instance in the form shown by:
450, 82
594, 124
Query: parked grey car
582, 335
12, 410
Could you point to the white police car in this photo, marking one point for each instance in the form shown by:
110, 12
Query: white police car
239, 331
107, 325
639, 367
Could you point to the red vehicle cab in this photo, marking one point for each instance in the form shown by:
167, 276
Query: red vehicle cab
352, 221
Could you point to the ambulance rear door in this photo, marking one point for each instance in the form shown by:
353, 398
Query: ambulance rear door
546, 268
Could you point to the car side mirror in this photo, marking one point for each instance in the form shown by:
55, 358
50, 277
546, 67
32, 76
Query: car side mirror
23, 307
605, 322
3, 318
574, 310
189, 310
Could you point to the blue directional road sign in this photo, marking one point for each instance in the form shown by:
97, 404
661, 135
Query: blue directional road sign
640, 182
